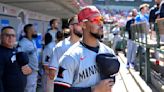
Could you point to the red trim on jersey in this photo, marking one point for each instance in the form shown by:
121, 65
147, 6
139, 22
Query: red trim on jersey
45, 64
52, 68
63, 84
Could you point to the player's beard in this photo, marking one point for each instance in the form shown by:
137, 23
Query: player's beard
96, 35
79, 34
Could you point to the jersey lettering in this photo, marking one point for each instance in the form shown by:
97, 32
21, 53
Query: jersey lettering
88, 72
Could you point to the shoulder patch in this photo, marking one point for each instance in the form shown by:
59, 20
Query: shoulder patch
47, 58
60, 73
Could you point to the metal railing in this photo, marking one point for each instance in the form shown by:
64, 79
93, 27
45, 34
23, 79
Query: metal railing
141, 38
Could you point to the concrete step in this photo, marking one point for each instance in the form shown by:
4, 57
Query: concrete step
143, 86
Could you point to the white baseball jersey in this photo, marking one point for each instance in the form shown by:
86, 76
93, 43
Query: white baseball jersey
30, 48
78, 66
47, 53
59, 50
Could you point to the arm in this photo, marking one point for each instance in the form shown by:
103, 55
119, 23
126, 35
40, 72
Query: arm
1, 73
103, 86
23, 60
59, 88
31, 50
46, 58
54, 63
26, 70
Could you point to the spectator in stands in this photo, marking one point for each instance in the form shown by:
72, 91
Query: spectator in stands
143, 17
131, 46
28, 45
12, 72
153, 15
154, 12
117, 36
162, 9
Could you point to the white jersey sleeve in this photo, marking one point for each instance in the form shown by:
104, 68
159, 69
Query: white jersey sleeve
54, 61
66, 71
59, 50
47, 52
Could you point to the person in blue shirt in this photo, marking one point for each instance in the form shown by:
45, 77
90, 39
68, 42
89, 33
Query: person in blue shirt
143, 15
28, 45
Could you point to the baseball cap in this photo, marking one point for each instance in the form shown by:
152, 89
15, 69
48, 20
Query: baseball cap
87, 12
73, 20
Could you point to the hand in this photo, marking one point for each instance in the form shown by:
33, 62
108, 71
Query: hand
26, 70
52, 73
46, 68
103, 86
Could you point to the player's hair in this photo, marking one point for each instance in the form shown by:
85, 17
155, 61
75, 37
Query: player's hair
142, 6
72, 20
7, 27
27, 27
51, 21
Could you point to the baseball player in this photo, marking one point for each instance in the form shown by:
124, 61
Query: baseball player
78, 69
54, 23
28, 45
47, 53
63, 46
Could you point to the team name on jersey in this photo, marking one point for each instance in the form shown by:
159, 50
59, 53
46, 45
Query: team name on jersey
87, 72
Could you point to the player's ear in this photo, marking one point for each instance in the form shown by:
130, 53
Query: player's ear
83, 25
70, 26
